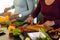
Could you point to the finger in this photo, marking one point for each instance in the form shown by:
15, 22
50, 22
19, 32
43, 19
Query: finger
13, 20
44, 25
29, 20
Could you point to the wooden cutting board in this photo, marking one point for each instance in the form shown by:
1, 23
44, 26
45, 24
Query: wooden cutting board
37, 26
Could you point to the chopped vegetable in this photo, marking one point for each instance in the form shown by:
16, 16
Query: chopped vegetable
16, 31
7, 24
11, 28
47, 36
1, 30
4, 18
27, 38
21, 36
41, 38
19, 23
22, 29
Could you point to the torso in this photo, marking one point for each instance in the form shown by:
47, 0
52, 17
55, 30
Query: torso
50, 10
20, 5
19, 2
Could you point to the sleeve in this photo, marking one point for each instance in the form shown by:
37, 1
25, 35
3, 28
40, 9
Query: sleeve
12, 7
57, 22
37, 10
30, 5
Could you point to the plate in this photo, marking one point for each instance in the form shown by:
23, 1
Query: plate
34, 35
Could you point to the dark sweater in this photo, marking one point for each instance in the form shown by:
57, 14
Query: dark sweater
49, 12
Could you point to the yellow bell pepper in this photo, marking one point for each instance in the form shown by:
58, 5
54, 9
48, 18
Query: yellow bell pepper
11, 28
3, 19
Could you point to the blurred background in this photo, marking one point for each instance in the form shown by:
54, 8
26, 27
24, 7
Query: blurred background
4, 4
7, 3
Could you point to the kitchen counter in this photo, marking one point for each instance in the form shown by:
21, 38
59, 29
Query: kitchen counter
7, 36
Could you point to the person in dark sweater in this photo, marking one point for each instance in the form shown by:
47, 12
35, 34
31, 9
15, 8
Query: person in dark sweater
50, 10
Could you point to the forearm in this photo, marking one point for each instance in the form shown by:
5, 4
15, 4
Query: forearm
57, 22
36, 11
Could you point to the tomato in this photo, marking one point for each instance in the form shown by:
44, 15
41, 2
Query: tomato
22, 29
14, 25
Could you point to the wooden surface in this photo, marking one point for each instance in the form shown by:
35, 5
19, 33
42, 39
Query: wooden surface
36, 27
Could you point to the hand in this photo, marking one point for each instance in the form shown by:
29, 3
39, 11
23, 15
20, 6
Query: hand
14, 16
7, 14
30, 19
6, 9
49, 23
13, 20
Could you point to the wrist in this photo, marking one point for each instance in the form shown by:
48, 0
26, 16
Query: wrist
30, 16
